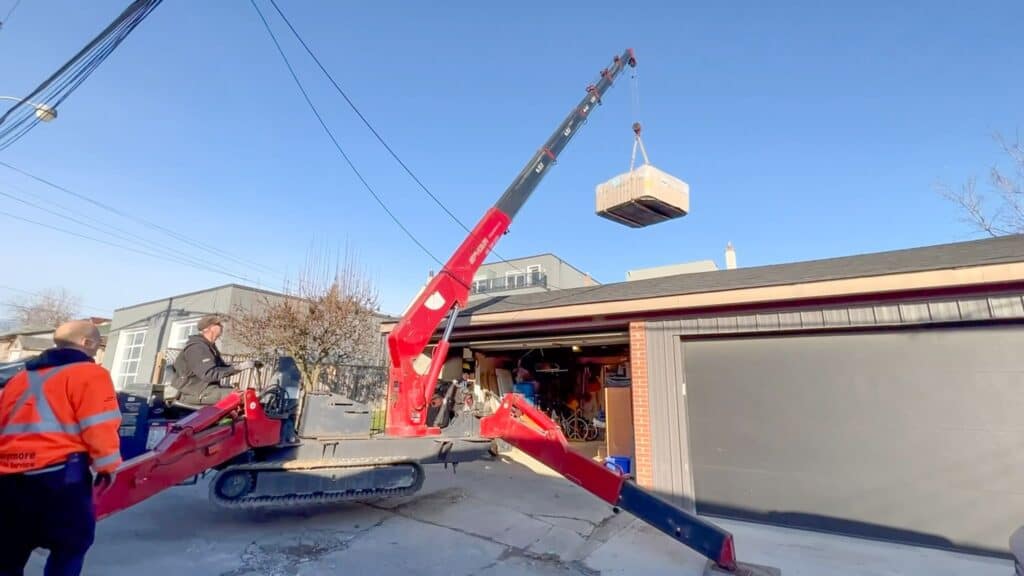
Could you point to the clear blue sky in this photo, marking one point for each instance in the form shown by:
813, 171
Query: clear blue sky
805, 129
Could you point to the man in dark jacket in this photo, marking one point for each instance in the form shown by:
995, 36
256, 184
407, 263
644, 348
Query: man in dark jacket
199, 367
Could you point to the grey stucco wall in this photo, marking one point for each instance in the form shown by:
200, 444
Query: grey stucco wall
559, 274
157, 318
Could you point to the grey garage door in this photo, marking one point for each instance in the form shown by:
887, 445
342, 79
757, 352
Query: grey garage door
914, 436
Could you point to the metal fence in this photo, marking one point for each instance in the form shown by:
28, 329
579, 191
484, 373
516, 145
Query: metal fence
510, 282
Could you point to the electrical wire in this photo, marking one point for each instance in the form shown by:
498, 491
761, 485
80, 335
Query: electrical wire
9, 13
181, 257
30, 293
380, 139
24, 115
330, 134
116, 245
143, 221
363, 118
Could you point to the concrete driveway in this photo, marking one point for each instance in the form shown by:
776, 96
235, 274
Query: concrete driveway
491, 519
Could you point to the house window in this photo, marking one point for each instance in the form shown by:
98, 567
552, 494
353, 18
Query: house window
180, 331
514, 280
129, 356
534, 274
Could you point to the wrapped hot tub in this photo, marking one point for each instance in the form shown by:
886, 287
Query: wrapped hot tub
643, 197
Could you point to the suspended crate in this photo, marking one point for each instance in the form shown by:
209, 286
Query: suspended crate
644, 195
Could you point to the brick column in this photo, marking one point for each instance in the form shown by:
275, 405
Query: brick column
641, 408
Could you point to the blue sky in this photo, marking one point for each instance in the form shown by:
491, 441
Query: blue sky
805, 130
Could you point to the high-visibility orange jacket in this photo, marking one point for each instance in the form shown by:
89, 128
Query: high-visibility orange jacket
62, 403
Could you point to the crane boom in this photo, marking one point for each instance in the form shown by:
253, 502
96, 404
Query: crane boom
249, 446
412, 374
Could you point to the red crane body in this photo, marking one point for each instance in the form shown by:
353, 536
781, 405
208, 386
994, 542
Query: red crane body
239, 425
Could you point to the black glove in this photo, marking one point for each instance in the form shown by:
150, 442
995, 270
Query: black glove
103, 480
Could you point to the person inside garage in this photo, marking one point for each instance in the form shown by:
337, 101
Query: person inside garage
200, 369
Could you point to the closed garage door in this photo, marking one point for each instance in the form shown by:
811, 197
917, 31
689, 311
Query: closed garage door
914, 436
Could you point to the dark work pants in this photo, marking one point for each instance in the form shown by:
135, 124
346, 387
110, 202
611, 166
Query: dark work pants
50, 511
210, 395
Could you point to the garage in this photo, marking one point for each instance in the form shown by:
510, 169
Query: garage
876, 395
581, 380
911, 435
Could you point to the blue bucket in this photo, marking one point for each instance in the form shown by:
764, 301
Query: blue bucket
619, 464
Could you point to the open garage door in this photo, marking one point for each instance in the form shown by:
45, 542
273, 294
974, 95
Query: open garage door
914, 436
581, 380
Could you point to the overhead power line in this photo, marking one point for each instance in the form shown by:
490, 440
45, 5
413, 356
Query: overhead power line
118, 246
144, 222
7, 16
330, 134
175, 255
374, 131
23, 115
31, 293
363, 118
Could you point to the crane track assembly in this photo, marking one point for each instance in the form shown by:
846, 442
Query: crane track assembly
284, 484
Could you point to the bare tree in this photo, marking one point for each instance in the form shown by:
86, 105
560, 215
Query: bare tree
48, 309
328, 318
1008, 188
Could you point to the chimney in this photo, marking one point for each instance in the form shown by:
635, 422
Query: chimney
730, 257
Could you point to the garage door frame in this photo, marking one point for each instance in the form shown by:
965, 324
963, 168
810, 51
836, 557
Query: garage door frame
666, 365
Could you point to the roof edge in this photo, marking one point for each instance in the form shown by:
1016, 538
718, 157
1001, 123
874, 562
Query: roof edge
552, 254
203, 291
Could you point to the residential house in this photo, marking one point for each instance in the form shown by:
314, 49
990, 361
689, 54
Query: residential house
146, 337
27, 341
540, 273
875, 395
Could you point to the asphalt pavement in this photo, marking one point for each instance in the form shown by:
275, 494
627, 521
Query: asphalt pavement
507, 517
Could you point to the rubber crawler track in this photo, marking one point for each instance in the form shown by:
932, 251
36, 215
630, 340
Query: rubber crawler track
286, 501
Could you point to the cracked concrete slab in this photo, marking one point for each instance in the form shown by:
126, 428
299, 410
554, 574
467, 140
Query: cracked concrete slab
404, 546
455, 509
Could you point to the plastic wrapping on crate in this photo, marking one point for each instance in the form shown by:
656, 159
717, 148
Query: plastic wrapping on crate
643, 197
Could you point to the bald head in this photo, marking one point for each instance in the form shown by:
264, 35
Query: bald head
78, 334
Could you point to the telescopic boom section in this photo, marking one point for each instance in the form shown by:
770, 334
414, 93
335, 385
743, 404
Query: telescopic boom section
412, 373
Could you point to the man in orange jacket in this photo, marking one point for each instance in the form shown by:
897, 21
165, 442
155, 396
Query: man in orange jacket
58, 418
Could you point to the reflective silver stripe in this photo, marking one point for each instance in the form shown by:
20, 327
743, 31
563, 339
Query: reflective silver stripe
45, 470
47, 420
100, 418
40, 427
108, 459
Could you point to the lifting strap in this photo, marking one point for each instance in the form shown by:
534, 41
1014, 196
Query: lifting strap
637, 142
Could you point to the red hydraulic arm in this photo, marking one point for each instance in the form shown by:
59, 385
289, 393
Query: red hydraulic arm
205, 439
520, 424
412, 374
215, 435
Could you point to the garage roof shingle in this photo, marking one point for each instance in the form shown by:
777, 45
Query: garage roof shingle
1001, 250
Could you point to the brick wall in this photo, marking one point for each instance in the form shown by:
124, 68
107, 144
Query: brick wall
641, 408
